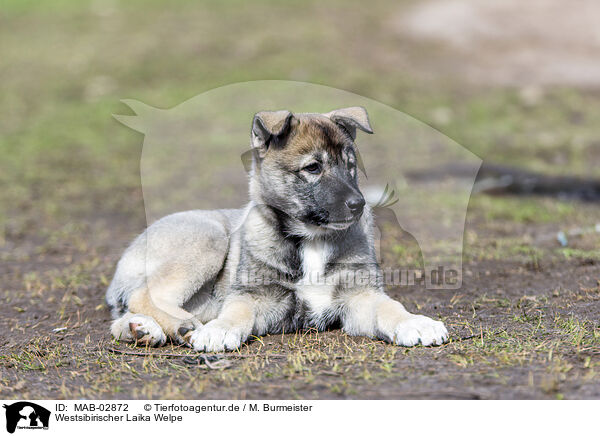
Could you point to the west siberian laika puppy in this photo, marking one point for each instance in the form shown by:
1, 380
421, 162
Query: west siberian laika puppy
300, 254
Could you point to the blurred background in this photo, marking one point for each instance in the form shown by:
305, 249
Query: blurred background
516, 83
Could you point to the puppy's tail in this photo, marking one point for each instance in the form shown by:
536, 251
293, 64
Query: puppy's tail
118, 294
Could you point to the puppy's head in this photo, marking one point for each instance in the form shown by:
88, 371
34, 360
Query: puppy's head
305, 166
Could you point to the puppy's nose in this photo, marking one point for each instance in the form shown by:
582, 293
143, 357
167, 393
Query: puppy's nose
356, 204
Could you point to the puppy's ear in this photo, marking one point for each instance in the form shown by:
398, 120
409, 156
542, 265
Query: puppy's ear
270, 129
351, 118
246, 158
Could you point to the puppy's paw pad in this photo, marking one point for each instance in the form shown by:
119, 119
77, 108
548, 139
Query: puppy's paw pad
422, 330
146, 331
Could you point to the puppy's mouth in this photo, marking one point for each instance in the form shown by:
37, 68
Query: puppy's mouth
322, 219
341, 225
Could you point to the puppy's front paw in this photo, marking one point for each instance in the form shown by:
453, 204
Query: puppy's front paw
146, 331
216, 336
419, 329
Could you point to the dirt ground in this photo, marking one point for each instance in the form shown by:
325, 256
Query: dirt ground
525, 323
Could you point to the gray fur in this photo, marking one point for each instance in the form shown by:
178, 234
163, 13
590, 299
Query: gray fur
197, 266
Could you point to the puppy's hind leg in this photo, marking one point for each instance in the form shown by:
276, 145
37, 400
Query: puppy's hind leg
138, 328
169, 318
162, 300
175, 260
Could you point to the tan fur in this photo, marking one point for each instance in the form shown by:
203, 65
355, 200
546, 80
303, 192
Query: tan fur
232, 327
389, 313
371, 311
187, 270
161, 305
310, 137
238, 312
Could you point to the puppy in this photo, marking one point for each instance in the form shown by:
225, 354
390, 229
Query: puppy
300, 254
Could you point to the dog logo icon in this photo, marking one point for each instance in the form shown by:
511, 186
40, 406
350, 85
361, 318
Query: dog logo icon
26, 415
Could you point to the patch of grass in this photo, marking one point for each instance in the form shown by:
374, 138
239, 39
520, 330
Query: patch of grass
579, 333
37, 356
523, 209
575, 253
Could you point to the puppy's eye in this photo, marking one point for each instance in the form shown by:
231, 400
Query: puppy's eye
313, 168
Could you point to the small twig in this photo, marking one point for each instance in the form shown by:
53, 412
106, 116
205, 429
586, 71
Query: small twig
175, 355
464, 338
458, 395
211, 361
208, 361
331, 373
44, 318
144, 354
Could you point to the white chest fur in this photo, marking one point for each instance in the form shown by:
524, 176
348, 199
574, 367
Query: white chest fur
313, 288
